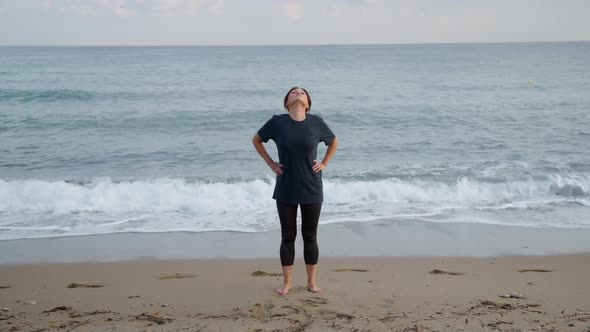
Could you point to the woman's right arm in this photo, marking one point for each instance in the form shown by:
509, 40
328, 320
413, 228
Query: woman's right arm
258, 144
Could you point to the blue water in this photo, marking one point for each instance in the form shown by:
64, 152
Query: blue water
127, 139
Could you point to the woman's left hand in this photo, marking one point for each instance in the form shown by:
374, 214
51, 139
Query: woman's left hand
318, 166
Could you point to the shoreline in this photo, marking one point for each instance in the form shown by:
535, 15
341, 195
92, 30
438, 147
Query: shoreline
347, 239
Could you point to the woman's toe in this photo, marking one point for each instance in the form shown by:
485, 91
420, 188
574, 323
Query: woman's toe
315, 289
281, 291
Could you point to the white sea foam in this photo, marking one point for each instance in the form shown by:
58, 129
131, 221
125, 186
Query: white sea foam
40, 208
107, 196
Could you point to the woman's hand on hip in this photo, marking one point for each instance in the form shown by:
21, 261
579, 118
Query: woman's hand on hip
318, 166
276, 167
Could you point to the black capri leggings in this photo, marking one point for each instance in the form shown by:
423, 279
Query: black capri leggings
310, 215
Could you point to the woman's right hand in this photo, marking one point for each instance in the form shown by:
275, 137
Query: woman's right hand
276, 167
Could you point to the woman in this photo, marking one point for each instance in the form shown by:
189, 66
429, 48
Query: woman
298, 178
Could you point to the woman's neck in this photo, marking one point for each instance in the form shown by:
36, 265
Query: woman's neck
297, 112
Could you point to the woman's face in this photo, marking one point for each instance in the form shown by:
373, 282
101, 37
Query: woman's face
297, 96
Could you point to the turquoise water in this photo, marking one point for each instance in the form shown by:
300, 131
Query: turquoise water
126, 139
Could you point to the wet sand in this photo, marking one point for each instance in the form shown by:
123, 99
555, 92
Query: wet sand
549, 293
347, 239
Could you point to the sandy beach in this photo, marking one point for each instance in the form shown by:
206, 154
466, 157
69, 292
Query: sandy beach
133, 195
152, 152
549, 293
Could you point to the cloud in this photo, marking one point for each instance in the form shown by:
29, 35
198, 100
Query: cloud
186, 7
344, 10
292, 10
79, 9
47, 4
223, 22
124, 8
122, 12
91, 7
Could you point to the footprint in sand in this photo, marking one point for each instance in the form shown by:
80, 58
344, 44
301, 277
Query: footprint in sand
266, 274
79, 285
261, 310
332, 314
59, 308
437, 271
388, 301
295, 310
351, 270
4, 286
177, 276
297, 290
327, 312
534, 270
314, 301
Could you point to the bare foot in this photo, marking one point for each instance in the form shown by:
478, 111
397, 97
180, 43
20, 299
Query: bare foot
283, 290
313, 288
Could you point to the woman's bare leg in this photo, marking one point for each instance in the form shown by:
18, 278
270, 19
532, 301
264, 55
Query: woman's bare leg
312, 284
287, 281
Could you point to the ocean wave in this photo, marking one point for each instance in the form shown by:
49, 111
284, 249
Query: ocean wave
106, 195
575, 186
52, 95
169, 194
32, 208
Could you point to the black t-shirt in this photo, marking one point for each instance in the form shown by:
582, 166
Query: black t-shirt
297, 145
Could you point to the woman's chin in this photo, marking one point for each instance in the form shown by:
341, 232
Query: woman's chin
297, 101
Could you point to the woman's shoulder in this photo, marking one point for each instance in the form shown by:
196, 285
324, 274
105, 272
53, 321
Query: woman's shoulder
279, 116
285, 116
274, 117
317, 118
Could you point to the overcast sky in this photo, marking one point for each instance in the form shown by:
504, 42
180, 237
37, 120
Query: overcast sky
266, 22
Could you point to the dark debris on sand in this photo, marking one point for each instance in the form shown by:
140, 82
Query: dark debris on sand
79, 285
266, 274
156, 318
437, 271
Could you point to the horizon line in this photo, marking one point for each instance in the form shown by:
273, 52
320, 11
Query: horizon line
283, 45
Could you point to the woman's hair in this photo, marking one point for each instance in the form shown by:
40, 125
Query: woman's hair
287, 97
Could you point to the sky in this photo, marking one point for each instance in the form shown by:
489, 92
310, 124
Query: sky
290, 22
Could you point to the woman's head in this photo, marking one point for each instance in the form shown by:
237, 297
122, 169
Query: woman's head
297, 95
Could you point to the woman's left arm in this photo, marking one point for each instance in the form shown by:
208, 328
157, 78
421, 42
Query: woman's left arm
329, 153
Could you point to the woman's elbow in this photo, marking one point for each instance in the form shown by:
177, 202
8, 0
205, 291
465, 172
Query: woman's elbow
334, 141
256, 139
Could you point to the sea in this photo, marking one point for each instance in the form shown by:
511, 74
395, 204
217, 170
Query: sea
97, 140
